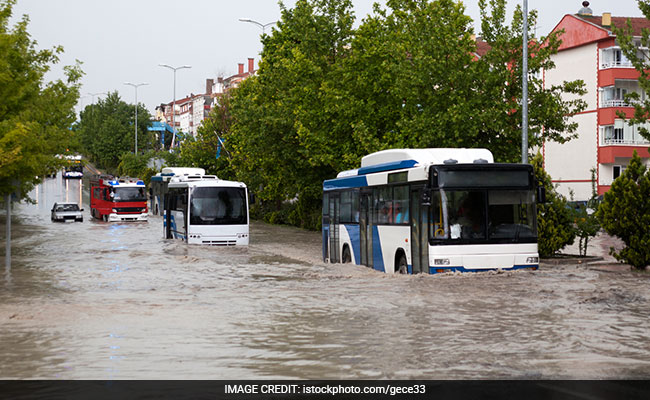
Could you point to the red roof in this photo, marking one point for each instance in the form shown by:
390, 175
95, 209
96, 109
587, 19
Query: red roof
482, 47
638, 23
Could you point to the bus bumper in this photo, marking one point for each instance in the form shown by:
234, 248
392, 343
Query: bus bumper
127, 217
235, 240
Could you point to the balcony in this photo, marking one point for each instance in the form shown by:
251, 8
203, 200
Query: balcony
625, 141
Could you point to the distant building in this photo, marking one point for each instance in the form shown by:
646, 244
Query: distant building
590, 52
224, 84
191, 110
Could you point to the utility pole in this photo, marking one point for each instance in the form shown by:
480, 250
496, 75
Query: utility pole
524, 99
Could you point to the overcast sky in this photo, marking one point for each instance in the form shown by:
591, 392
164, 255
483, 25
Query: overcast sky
124, 40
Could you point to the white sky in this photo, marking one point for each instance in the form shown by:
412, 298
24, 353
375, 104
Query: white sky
124, 40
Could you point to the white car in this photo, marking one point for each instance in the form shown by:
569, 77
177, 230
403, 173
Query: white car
67, 212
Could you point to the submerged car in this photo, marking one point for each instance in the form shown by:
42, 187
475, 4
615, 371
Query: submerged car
67, 212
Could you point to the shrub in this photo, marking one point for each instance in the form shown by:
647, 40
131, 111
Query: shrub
625, 212
554, 219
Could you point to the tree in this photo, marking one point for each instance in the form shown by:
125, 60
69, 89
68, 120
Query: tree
35, 116
279, 114
106, 130
208, 150
625, 212
554, 219
625, 38
499, 74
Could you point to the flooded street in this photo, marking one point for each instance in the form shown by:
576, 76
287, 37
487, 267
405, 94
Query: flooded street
106, 301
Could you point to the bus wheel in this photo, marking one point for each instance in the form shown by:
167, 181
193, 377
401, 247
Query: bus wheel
401, 266
346, 257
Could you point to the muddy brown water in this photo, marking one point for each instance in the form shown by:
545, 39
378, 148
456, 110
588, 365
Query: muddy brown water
97, 300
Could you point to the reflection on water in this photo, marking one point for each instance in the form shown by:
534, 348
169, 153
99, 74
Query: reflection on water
98, 300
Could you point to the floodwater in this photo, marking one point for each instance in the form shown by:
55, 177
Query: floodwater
98, 300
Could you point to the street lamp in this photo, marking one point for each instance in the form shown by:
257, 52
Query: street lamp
263, 26
95, 94
174, 102
136, 85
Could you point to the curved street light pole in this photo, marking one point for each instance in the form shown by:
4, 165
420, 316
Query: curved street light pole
174, 102
135, 86
263, 26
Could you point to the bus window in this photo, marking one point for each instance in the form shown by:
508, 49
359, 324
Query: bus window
437, 226
350, 206
466, 214
511, 214
384, 205
401, 204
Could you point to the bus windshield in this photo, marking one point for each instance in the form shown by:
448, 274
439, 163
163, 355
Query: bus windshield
123, 194
218, 206
483, 216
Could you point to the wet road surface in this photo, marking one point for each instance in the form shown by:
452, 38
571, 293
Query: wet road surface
97, 300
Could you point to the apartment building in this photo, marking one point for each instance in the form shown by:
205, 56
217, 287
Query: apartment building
605, 141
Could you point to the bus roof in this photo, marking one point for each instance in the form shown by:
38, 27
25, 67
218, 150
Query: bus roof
428, 156
175, 171
202, 180
394, 159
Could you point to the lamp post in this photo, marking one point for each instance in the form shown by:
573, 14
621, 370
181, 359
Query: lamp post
93, 101
95, 94
524, 97
263, 26
174, 102
135, 86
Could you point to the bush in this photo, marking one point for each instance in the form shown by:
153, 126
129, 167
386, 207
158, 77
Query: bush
625, 212
554, 219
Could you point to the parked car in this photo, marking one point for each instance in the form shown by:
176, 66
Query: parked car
67, 212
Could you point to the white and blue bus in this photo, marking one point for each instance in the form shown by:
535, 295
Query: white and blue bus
432, 211
203, 209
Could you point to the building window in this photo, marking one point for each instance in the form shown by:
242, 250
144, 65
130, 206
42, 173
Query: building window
618, 170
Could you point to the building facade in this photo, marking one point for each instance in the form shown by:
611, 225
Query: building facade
605, 142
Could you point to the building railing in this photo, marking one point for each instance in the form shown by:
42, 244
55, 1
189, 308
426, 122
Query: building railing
626, 142
616, 64
616, 103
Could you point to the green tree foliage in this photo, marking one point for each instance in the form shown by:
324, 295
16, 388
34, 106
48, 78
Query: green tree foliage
625, 212
626, 40
35, 116
106, 130
281, 123
499, 86
326, 95
554, 219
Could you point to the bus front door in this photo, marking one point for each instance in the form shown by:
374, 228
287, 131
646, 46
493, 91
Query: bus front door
365, 228
335, 204
419, 232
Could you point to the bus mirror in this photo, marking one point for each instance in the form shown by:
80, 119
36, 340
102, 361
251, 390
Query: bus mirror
251, 198
541, 194
426, 197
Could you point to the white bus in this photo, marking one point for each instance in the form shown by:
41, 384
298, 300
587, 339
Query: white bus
432, 211
158, 185
203, 209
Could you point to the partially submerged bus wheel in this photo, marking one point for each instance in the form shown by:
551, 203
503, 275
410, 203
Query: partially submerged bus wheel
401, 266
346, 257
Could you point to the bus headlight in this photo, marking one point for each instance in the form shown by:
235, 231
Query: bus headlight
441, 261
532, 260
114, 211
